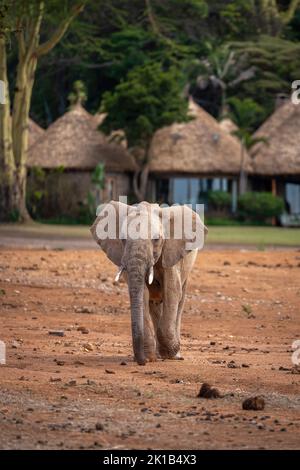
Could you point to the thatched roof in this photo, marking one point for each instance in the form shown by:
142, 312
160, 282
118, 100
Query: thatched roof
35, 132
228, 126
280, 154
74, 142
200, 146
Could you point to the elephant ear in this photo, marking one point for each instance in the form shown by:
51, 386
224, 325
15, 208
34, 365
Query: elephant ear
106, 229
183, 231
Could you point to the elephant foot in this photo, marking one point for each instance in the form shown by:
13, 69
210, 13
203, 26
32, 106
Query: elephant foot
170, 353
151, 357
178, 357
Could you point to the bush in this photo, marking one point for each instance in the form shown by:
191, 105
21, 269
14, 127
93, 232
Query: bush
259, 206
219, 200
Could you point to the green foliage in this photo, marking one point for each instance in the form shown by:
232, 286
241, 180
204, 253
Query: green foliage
113, 37
219, 200
98, 176
79, 93
259, 206
245, 113
148, 99
88, 210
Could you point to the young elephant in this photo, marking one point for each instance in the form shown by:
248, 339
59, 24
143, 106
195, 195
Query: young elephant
156, 267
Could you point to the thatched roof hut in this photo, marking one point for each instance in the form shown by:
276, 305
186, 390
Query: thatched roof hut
74, 142
35, 132
280, 154
228, 126
199, 147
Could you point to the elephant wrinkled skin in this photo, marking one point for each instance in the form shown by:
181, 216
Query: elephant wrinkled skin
156, 269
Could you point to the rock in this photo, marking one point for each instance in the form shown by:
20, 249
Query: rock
123, 363
99, 427
72, 383
84, 309
232, 365
254, 403
88, 347
55, 379
15, 344
108, 371
83, 330
206, 391
60, 363
90, 382
56, 332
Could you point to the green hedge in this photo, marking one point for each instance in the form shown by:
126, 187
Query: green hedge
259, 206
219, 200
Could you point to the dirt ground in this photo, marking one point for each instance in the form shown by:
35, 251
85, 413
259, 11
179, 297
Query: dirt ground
83, 390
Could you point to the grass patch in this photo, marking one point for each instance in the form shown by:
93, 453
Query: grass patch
259, 236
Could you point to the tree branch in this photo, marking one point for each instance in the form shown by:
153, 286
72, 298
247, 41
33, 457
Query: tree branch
154, 24
288, 15
58, 34
35, 31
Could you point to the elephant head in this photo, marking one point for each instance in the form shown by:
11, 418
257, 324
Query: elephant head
135, 238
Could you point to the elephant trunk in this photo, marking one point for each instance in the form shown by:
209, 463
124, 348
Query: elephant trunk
136, 292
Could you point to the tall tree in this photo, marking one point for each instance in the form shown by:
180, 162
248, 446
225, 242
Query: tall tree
244, 113
22, 19
148, 99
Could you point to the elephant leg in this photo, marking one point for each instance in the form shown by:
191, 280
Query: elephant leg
178, 319
149, 332
156, 312
169, 341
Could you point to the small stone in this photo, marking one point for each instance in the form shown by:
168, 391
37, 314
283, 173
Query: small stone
88, 347
123, 363
60, 363
206, 391
99, 427
72, 383
254, 403
109, 371
84, 309
56, 332
83, 330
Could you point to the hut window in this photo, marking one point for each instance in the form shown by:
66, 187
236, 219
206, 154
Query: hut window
182, 190
292, 197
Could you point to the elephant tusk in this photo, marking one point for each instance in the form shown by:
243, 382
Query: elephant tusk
151, 275
119, 273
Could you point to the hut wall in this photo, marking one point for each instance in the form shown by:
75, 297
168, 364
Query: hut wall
54, 194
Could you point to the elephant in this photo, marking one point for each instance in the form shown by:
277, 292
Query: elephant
155, 265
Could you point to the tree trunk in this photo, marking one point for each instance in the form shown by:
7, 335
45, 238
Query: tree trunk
14, 131
7, 164
23, 92
140, 183
243, 174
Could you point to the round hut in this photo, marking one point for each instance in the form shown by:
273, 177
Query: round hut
64, 160
35, 132
276, 160
189, 160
